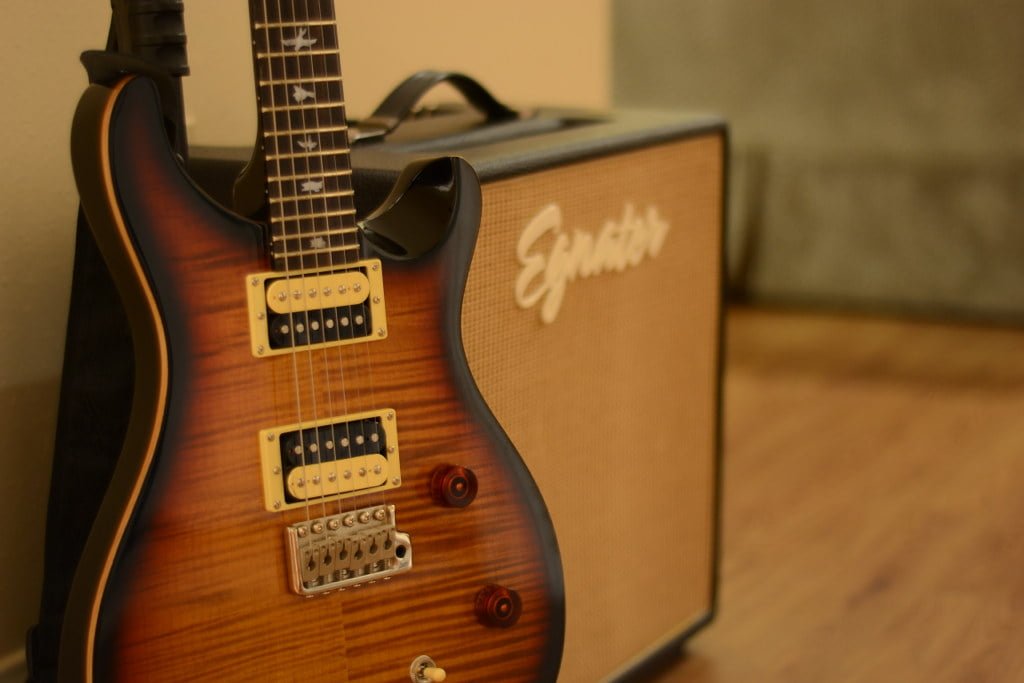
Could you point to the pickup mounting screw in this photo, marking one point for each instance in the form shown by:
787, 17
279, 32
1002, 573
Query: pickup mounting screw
277, 505
396, 481
376, 299
390, 416
276, 470
270, 436
255, 282
391, 449
260, 349
261, 315
375, 267
381, 332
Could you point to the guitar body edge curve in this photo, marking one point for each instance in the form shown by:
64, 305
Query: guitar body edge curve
184, 575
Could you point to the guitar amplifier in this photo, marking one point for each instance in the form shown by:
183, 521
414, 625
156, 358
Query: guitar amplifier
592, 325
591, 322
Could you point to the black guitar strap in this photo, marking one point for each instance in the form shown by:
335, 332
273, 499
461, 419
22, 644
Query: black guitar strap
96, 386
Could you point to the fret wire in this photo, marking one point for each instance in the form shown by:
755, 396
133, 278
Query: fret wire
301, 53
291, 24
318, 214
312, 197
301, 107
315, 252
321, 233
302, 131
288, 81
276, 31
305, 155
312, 175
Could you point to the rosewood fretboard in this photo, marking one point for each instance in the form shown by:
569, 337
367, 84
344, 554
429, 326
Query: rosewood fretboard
304, 133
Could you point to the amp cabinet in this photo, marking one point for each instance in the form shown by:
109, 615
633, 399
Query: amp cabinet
591, 324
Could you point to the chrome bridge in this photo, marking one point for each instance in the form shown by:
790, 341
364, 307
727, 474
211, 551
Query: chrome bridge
347, 549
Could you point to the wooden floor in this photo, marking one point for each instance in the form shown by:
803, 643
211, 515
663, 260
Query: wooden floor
874, 504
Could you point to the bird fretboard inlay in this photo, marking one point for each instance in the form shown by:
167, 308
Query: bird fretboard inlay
305, 135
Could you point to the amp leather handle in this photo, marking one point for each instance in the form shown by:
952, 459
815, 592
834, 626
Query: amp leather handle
398, 105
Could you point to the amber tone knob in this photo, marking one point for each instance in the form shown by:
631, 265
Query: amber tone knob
498, 606
453, 486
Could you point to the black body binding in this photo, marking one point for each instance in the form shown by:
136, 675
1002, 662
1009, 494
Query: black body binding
98, 369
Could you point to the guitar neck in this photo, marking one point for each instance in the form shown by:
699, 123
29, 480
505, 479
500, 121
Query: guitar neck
304, 134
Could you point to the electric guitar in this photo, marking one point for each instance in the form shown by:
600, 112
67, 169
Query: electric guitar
311, 487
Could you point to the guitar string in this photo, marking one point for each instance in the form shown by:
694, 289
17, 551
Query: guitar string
335, 444
324, 161
358, 438
314, 445
323, 15
348, 314
380, 430
288, 271
371, 326
300, 240
268, 61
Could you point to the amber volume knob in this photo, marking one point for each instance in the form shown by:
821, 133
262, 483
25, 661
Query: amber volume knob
498, 606
453, 486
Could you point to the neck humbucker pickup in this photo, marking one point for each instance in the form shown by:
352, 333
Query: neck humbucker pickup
313, 309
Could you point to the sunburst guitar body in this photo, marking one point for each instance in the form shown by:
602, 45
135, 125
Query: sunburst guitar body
311, 488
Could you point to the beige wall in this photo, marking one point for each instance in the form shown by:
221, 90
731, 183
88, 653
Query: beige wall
530, 52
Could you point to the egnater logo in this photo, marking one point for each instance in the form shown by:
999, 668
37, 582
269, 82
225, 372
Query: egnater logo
617, 246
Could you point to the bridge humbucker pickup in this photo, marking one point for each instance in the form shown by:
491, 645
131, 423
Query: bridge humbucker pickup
315, 309
346, 549
334, 458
